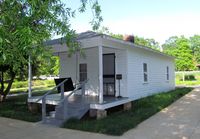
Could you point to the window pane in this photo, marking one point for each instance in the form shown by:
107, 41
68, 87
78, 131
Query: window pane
167, 69
145, 77
145, 72
83, 67
83, 72
83, 76
145, 67
167, 73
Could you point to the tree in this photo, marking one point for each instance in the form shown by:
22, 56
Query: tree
147, 42
180, 48
195, 47
26, 24
140, 41
48, 66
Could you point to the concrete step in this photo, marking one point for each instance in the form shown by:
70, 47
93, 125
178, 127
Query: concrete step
52, 114
72, 111
76, 109
53, 122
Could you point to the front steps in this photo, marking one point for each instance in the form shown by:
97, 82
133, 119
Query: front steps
74, 109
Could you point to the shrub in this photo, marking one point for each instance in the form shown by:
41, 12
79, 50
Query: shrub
21, 84
24, 84
190, 77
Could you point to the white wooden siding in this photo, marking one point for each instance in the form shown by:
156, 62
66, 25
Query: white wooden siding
129, 63
157, 81
68, 68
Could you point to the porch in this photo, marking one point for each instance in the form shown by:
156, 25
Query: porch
99, 66
93, 101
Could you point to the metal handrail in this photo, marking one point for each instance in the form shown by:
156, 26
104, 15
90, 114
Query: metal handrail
50, 91
81, 84
68, 96
63, 98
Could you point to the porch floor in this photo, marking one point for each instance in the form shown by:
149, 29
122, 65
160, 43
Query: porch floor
108, 102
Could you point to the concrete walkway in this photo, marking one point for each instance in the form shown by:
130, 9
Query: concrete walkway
181, 120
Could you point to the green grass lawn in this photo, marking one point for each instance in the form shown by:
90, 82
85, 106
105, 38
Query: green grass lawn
37, 85
116, 123
195, 80
16, 107
119, 122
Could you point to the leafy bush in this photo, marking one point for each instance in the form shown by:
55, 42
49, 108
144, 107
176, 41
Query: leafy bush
190, 77
20, 84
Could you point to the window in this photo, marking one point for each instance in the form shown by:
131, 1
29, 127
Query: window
83, 72
167, 73
145, 72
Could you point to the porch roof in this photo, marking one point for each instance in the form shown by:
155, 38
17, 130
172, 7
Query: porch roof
91, 35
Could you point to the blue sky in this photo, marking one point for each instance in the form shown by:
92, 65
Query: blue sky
158, 19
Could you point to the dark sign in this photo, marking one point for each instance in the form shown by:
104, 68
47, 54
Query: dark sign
119, 76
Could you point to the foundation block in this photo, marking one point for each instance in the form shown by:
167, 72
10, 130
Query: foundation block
33, 107
101, 114
127, 106
92, 112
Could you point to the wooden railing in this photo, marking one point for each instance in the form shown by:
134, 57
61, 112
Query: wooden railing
63, 97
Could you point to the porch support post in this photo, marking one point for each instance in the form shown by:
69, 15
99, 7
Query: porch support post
29, 77
100, 74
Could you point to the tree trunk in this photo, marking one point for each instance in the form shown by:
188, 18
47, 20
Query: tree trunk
5, 93
2, 86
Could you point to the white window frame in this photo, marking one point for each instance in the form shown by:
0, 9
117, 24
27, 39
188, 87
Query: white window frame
145, 72
82, 72
167, 73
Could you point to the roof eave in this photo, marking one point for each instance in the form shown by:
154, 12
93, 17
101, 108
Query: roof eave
137, 46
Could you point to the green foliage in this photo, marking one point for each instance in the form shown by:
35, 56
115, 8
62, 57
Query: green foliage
119, 122
179, 47
190, 78
147, 42
195, 46
46, 66
24, 84
26, 24
186, 51
118, 36
138, 40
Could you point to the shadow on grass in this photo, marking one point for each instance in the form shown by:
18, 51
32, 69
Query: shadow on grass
119, 122
16, 107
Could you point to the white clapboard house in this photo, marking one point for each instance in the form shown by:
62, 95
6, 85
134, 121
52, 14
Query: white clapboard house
114, 72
